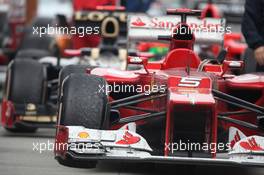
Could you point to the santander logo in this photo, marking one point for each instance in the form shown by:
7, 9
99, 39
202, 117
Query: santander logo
138, 22
251, 145
128, 139
171, 23
235, 140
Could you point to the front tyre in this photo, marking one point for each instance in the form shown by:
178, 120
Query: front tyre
82, 104
25, 83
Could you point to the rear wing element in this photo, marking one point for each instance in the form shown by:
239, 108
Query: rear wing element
146, 28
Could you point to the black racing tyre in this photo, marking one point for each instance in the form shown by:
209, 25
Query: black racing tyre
36, 47
250, 62
72, 69
36, 42
38, 23
25, 82
32, 54
82, 104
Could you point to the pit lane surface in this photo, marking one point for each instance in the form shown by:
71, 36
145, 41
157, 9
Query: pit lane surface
18, 156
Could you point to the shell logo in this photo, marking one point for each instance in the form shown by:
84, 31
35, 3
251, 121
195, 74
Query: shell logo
251, 145
128, 139
83, 135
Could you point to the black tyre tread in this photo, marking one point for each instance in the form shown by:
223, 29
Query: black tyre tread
32, 54
38, 22
72, 69
36, 42
82, 103
68, 70
26, 82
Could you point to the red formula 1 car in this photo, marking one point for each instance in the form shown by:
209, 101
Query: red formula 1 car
231, 10
178, 110
233, 41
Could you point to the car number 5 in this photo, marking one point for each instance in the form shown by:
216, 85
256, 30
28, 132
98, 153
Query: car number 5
189, 82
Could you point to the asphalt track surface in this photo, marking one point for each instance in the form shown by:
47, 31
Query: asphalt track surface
19, 157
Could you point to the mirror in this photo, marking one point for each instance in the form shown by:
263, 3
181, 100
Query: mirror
137, 60
232, 65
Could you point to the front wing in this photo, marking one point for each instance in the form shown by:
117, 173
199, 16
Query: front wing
126, 145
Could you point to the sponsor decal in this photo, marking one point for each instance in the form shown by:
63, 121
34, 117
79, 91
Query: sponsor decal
170, 23
190, 82
251, 145
138, 22
235, 139
31, 107
83, 135
128, 139
136, 60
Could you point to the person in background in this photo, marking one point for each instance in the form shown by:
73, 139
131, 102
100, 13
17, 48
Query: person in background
138, 5
253, 29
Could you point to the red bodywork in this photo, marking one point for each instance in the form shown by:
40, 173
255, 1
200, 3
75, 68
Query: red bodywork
16, 22
83, 5
189, 100
8, 110
188, 92
233, 42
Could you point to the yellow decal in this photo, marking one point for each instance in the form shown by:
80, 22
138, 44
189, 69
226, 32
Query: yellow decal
83, 135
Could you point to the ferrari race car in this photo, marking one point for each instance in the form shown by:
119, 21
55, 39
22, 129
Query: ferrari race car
233, 42
232, 11
32, 81
179, 110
